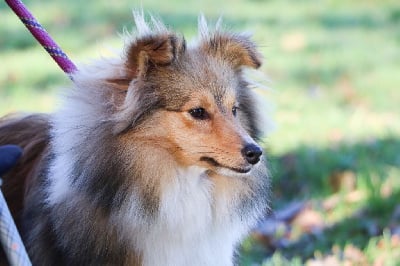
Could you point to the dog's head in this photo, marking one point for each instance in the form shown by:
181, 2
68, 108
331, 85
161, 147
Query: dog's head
192, 101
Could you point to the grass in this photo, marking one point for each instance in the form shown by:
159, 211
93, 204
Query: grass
334, 70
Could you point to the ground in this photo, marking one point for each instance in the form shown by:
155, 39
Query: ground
333, 71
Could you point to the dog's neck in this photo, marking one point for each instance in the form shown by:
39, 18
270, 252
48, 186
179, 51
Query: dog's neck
191, 227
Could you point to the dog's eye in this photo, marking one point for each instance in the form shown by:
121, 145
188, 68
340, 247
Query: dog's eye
199, 113
234, 110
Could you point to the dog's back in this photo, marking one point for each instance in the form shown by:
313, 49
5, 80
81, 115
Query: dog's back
32, 134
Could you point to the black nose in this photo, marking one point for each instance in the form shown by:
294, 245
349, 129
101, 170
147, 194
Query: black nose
252, 153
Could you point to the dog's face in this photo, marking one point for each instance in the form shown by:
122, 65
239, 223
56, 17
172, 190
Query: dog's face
193, 101
202, 118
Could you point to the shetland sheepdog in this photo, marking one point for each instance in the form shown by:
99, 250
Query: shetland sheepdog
151, 159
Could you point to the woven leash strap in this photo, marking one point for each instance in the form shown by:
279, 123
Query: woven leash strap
10, 238
42, 36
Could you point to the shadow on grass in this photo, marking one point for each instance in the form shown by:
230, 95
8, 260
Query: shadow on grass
304, 174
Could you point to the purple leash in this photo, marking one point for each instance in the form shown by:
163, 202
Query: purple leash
42, 36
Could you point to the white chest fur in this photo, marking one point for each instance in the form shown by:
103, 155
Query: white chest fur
188, 230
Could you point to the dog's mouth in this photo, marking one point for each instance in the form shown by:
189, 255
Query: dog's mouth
215, 163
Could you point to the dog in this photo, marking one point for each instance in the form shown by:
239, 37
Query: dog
152, 159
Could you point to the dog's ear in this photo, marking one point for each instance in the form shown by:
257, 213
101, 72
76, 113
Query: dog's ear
157, 50
237, 50
147, 52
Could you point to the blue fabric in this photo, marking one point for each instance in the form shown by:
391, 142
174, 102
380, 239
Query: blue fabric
9, 155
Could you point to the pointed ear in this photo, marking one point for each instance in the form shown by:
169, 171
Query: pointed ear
157, 50
146, 52
238, 50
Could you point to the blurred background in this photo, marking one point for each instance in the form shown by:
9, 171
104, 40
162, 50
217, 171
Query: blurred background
334, 77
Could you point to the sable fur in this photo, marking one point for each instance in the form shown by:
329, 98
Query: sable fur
122, 174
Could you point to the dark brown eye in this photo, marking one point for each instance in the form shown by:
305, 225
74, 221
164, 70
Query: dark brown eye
234, 110
199, 113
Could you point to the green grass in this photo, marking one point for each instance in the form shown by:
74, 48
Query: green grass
334, 68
